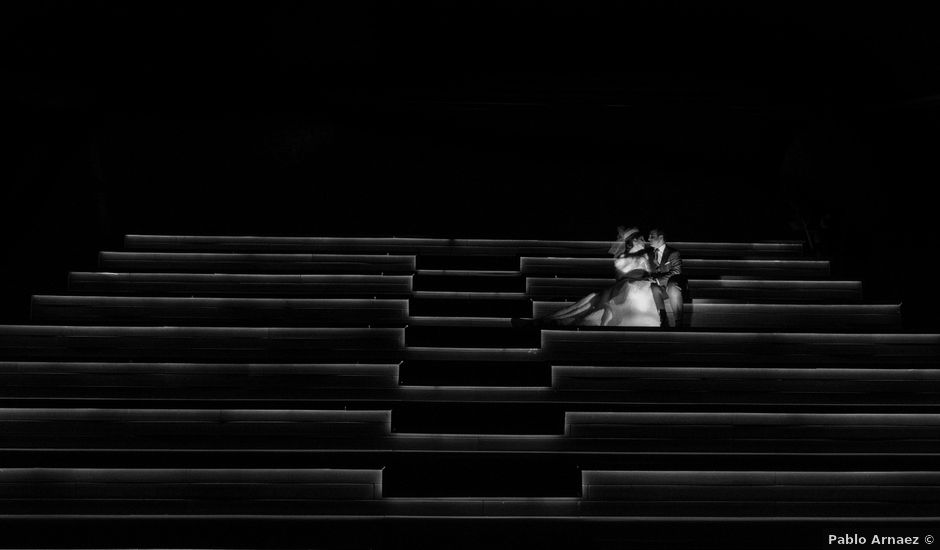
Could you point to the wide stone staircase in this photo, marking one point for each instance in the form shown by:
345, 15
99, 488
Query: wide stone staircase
284, 392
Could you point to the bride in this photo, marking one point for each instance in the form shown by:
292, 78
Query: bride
628, 302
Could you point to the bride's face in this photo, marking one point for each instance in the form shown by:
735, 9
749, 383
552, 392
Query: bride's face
638, 244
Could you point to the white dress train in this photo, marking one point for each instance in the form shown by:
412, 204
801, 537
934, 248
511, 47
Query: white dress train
627, 303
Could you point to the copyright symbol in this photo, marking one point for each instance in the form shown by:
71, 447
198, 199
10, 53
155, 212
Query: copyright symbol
928, 539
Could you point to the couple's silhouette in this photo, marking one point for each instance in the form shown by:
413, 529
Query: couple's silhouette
648, 291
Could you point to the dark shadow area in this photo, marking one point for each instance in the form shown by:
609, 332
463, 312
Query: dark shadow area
730, 122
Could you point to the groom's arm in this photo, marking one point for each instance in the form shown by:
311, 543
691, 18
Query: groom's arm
668, 269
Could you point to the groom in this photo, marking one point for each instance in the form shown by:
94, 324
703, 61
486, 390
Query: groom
667, 278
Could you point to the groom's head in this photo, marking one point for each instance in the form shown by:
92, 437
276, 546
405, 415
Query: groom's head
657, 237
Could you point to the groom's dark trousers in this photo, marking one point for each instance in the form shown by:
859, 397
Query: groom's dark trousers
669, 281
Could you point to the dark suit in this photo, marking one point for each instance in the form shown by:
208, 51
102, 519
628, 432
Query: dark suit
669, 281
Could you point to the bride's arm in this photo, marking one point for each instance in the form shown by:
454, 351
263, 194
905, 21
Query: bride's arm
628, 268
619, 267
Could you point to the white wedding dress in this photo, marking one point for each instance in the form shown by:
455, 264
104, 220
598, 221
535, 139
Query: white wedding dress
627, 303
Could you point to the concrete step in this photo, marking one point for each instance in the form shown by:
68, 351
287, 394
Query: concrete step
191, 428
761, 493
469, 304
195, 262
174, 311
312, 386
185, 491
738, 290
149, 382
469, 280
495, 332
431, 247
692, 268
703, 315
70, 343
741, 426
350, 492
655, 346
675, 493
232, 285
585, 433
463, 523
761, 383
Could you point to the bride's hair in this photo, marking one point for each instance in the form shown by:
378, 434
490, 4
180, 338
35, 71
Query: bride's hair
626, 240
631, 240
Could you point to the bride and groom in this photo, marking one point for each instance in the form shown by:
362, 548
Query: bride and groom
649, 273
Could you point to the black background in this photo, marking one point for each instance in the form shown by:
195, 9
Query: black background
730, 121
